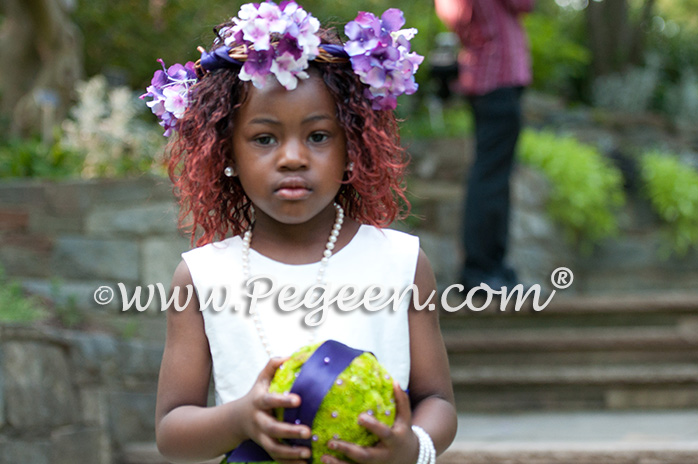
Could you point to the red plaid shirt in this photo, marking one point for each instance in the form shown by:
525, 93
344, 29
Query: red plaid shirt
495, 50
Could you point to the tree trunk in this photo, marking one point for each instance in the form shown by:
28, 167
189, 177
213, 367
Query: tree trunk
40, 53
638, 47
613, 40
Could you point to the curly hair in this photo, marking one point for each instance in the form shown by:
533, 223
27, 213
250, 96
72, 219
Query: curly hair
214, 205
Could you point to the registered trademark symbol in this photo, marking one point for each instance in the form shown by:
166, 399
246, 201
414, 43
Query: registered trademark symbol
561, 278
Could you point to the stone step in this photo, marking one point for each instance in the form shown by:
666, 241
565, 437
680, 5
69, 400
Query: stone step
549, 340
147, 453
586, 437
650, 374
678, 310
620, 303
572, 453
526, 387
438, 207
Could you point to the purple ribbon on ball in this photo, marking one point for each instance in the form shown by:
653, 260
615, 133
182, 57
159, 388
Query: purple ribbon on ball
314, 380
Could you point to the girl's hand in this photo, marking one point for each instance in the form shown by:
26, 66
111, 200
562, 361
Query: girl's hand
397, 445
262, 427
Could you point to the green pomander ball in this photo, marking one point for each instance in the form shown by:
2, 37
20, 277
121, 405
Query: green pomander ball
364, 386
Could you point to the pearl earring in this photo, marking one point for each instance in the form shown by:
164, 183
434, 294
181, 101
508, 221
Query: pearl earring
229, 171
350, 166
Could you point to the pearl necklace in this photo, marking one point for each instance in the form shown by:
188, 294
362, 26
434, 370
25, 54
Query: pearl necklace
329, 246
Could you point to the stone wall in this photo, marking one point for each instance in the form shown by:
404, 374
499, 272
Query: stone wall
79, 235
70, 397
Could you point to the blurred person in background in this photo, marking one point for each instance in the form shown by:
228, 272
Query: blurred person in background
494, 68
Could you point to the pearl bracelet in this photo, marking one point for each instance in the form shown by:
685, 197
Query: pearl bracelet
427, 452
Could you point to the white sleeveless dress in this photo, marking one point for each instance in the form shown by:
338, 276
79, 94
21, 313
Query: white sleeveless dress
374, 256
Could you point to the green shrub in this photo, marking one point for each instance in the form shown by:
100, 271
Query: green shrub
557, 58
455, 121
32, 158
586, 188
672, 188
65, 308
15, 306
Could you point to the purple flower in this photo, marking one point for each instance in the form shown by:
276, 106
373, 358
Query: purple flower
385, 56
368, 21
169, 90
289, 45
380, 56
375, 78
158, 81
257, 67
362, 33
392, 20
254, 28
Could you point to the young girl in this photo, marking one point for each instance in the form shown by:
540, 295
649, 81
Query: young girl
300, 168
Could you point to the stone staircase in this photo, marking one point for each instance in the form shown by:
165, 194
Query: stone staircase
596, 353
587, 380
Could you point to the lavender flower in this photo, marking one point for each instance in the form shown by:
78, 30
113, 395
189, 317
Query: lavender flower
287, 60
380, 54
257, 67
169, 90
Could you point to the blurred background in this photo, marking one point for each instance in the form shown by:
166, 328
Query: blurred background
606, 185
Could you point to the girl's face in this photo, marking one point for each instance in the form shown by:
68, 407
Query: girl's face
289, 150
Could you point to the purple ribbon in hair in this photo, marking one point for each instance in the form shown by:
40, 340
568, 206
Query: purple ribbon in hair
335, 50
314, 380
219, 58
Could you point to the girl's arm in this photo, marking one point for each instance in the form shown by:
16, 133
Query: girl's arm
189, 431
431, 391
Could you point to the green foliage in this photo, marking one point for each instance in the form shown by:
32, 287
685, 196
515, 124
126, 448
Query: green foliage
124, 38
18, 307
33, 158
15, 306
672, 188
558, 59
586, 188
454, 121
65, 306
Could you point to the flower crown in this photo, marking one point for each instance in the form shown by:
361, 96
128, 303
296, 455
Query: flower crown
267, 39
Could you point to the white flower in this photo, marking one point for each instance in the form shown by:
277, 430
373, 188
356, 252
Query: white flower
247, 11
257, 32
288, 70
408, 34
175, 100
